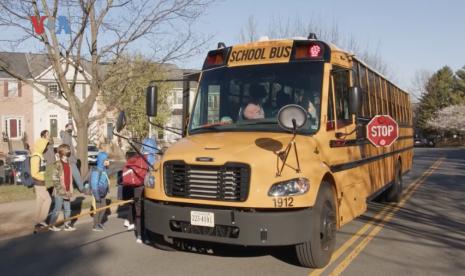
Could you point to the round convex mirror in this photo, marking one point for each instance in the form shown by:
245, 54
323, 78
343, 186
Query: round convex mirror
292, 116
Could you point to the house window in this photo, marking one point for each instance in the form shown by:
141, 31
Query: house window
14, 127
160, 135
53, 90
178, 98
83, 89
12, 89
110, 131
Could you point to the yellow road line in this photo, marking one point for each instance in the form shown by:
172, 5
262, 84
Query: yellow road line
342, 249
357, 250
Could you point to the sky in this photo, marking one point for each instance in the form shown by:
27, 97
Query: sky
409, 35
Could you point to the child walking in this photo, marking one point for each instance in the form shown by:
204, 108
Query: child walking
99, 183
63, 184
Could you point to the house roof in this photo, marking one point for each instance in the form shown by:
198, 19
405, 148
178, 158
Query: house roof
15, 62
30, 65
27, 65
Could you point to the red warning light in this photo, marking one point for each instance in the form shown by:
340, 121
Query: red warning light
314, 51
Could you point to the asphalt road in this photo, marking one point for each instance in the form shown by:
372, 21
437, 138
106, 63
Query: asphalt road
423, 235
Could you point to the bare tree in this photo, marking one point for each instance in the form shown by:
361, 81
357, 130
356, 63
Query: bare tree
249, 32
101, 31
280, 27
419, 83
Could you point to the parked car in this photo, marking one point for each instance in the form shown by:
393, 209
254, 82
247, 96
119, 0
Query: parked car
15, 161
18, 168
7, 174
424, 142
17, 156
92, 152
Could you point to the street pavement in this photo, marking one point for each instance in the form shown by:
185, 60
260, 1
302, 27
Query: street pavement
17, 218
422, 235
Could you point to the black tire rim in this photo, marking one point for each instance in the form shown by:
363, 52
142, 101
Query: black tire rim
328, 226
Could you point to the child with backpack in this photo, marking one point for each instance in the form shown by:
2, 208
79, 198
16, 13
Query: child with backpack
99, 184
135, 173
62, 179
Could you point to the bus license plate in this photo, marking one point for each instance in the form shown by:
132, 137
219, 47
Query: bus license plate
203, 219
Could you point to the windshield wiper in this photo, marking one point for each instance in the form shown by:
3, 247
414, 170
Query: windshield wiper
257, 123
211, 126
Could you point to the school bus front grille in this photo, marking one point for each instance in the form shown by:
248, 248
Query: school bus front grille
229, 182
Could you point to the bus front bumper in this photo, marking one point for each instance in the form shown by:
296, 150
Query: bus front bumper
258, 228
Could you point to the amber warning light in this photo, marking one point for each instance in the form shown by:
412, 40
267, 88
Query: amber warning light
215, 58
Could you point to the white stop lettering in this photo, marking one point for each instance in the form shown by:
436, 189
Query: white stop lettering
382, 131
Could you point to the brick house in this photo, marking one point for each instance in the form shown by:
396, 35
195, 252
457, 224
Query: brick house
25, 112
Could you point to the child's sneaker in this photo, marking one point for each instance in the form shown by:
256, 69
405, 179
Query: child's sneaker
131, 227
39, 227
126, 223
54, 228
68, 227
139, 240
97, 228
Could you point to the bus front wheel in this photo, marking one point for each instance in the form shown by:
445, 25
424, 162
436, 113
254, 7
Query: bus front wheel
159, 241
317, 252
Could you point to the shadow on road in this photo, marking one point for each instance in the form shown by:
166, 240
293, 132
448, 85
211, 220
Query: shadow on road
285, 254
52, 253
433, 218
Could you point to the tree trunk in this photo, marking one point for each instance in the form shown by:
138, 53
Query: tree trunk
82, 141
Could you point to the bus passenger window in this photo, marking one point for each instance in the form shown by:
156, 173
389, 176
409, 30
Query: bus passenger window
341, 89
330, 125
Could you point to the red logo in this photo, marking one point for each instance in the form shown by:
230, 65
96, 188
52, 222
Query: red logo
382, 131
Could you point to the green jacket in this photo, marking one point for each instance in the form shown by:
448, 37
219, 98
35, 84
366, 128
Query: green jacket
57, 178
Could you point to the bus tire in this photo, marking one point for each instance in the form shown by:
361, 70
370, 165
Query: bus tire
394, 193
317, 252
158, 241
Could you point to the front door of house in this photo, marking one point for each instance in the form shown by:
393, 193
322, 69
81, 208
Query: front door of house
13, 128
54, 128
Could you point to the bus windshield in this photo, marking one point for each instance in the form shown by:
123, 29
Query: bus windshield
248, 98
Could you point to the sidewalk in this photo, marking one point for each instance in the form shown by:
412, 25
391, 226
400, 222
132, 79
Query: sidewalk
17, 218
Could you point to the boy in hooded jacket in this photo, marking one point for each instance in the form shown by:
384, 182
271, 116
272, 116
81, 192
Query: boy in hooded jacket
99, 184
62, 179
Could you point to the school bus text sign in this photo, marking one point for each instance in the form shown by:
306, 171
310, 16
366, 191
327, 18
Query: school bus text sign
260, 53
382, 131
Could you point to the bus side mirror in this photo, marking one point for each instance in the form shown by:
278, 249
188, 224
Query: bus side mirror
355, 100
151, 101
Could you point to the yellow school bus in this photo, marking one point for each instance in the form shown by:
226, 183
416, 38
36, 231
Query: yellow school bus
241, 176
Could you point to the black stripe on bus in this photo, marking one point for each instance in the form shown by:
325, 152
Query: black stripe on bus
361, 162
356, 142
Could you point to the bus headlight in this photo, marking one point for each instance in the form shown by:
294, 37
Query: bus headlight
149, 182
298, 186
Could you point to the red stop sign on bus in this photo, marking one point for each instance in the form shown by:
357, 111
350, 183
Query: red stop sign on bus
382, 130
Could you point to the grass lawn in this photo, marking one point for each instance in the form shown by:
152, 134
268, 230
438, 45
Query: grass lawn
9, 193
